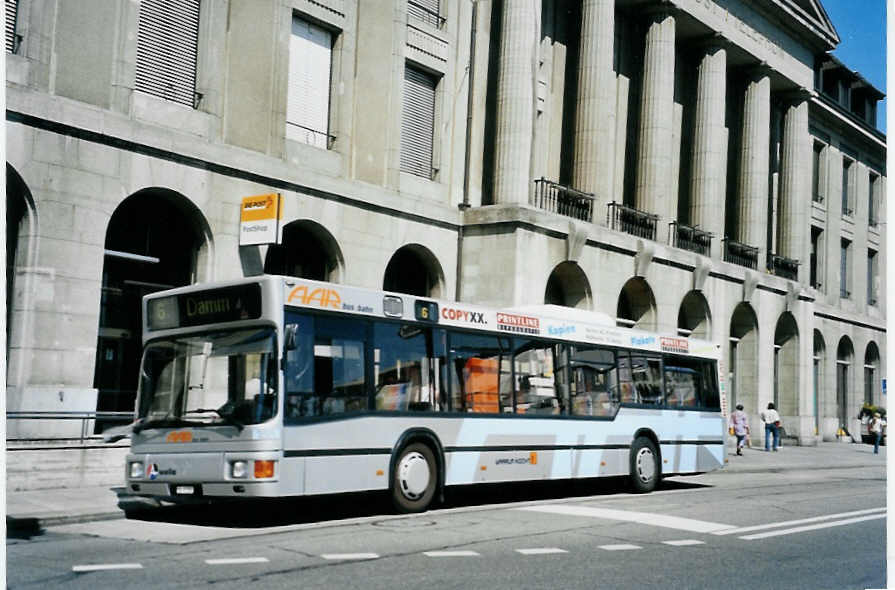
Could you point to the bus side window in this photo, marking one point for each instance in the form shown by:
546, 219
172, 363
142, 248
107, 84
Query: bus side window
647, 377
480, 374
595, 388
535, 382
299, 370
626, 388
401, 375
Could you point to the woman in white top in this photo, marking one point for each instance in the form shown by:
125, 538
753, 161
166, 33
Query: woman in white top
771, 420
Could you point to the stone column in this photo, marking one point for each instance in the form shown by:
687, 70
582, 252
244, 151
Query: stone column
754, 163
653, 186
594, 164
795, 181
515, 100
709, 172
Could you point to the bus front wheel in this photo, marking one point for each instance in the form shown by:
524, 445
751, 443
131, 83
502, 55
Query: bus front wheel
415, 478
644, 465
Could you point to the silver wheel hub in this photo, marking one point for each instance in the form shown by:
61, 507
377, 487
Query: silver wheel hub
645, 463
413, 475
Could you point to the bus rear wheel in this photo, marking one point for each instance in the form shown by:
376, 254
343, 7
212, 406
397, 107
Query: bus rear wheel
644, 465
415, 478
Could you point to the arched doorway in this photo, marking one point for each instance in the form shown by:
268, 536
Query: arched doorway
19, 229
568, 286
414, 270
786, 365
743, 377
636, 305
872, 391
693, 317
845, 354
308, 251
156, 239
817, 379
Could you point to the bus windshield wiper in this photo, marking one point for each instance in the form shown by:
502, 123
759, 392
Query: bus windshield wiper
157, 423
227, 416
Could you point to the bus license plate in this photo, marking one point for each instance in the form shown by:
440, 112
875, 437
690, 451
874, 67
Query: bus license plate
185, 490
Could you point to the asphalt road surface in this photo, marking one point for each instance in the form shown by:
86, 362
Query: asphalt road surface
810, 529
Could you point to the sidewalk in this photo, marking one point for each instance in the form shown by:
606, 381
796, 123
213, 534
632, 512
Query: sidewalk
29, 511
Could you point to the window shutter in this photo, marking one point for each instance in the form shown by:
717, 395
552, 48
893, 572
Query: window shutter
418, 122
307, 106
167, 45
425, 10
12, 7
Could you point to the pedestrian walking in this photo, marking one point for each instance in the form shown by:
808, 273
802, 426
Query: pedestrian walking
876, 430
771, 420
739, 425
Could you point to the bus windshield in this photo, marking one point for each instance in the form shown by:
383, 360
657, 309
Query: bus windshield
226, 377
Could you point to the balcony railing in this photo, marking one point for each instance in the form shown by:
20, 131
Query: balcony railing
691, 238
742, 254
632, 221
314, 137
783, 267
558, 198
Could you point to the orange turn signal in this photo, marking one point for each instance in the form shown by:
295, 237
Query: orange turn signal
264, 469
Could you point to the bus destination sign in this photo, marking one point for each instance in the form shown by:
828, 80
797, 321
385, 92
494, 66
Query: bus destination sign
228, 304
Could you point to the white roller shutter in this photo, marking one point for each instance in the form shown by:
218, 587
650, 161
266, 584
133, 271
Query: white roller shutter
418, 122
12, 7
167, 45
310, 60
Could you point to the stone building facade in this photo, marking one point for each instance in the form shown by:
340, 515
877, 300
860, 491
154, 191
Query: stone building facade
699, 167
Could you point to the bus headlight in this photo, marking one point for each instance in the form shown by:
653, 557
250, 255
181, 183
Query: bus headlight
239, 469
136, 469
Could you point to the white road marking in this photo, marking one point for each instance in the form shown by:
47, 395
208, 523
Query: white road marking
672, 522
106, 566
684, 542
450, 554
773, 525
236, 560
350, 556
541, 551
812, 527
621, 547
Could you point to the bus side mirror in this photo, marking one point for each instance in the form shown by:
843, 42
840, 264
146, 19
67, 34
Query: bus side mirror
289, 337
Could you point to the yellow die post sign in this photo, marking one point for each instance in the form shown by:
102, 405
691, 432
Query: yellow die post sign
259, 218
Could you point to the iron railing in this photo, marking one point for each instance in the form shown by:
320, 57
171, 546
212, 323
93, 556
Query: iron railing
741, 254
691, 238
783, 267
631, 221
557, 198
314, 136
84, 417
425, 14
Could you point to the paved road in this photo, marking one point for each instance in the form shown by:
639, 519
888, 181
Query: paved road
794, 529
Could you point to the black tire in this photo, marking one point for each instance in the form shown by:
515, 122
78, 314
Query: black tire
415, 478
646, 469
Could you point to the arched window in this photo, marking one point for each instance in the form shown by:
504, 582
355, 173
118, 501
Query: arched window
694, 317
414, 270
845, 354
786, 365
636, 305
156, 239
568, 286
743, 365
308, 251
871, 374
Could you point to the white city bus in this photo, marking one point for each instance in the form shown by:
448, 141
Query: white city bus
276, 386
